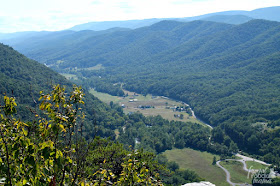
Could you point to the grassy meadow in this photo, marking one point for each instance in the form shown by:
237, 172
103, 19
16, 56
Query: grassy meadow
238, 175
69, 76
200, 162
255, 165
132, 102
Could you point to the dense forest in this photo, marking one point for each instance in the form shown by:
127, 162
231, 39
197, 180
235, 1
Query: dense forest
229, 74
21, 79
51, 149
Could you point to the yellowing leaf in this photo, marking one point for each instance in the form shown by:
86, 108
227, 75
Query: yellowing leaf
24, 182
62, 127
25, 132
59, 154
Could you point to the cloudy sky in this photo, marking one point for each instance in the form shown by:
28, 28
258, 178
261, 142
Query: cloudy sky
27, 15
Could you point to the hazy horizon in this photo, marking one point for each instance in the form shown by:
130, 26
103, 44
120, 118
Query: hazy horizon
52, 15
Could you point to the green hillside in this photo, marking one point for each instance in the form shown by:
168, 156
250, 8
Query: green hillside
188, 53
84, 49
24, 79
229, 74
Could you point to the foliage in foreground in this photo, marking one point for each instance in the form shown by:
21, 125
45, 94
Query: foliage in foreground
51, 150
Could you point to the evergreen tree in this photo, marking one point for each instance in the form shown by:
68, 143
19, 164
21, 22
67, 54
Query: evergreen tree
214, 160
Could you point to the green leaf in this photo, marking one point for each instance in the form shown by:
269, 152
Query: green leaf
46, 152
25, 132
30, 160
24, 182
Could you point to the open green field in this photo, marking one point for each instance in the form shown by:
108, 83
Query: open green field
105, 97
73, 76
200, 162
159, 105
237, 174
69, 76
255, 165
96, 67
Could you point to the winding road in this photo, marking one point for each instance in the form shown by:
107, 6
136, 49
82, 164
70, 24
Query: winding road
226, 171
243, 161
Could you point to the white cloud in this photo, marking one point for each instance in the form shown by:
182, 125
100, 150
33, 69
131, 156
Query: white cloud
19, 15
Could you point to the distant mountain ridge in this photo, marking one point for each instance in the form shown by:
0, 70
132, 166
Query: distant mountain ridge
181, 50
86, 48
231, 17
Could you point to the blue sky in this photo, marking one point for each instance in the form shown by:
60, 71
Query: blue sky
35, 15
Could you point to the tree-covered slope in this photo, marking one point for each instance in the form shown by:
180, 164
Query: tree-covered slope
203, 62
85, 49
209, 71
229, 74
24, 79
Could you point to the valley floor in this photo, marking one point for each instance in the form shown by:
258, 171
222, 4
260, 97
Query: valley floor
157, 105
224, 173
200, 162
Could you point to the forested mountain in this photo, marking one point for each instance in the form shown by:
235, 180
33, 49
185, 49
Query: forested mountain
132, 24
84, 49
24, 79
185, 51
269, 13
228, 73
231, 17
16, 34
